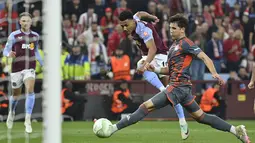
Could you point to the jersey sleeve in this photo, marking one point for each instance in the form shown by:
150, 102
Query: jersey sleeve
144, 32
191, 49
8, 45
136, 18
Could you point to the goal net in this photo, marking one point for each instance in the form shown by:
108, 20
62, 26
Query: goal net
46, 117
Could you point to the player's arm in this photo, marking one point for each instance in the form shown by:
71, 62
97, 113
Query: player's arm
152, 50
251, 84
37, 54
146, 34
253, 74
8, 47
143, 14
209, 64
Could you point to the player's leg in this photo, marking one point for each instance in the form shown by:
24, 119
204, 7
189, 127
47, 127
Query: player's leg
215, 122
180, 113
156, 102
151, 77
16, 83
13, 104
29, 81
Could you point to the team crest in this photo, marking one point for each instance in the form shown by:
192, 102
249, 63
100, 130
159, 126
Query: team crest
176, 48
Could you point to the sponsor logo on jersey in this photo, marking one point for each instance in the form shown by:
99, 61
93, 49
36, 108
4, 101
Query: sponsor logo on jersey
30, 46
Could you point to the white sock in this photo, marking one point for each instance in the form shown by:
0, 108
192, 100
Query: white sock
114, 128
233, 130
162, 88
28, 118
182, 121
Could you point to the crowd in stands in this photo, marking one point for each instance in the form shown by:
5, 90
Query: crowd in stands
91, 35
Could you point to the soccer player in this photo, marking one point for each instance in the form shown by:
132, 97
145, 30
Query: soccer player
180, 58
22, 46
251, 84
154, 52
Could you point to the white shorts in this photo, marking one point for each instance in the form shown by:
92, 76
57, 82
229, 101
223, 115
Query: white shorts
160, 60
18, 78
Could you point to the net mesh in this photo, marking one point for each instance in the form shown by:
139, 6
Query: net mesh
9, 22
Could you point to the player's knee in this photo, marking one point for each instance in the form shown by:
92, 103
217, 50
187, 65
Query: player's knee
148, 105
30, 89
16, 92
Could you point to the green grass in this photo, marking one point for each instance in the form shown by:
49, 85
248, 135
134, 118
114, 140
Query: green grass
142, 132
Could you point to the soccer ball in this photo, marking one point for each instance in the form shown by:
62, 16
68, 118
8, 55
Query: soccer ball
101, 128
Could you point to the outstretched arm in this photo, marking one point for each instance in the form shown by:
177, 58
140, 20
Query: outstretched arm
143, 14
251, 84
209, 64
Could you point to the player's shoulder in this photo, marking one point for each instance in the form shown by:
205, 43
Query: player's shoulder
35, 33
14, 33
142, 26
186, 42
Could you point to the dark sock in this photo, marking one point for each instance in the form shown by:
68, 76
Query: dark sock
138, 115
214, 122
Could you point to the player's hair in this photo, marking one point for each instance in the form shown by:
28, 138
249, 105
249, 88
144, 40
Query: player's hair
180, 20
25, 14
126, 14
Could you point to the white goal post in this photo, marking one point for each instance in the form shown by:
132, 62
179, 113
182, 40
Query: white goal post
52, 78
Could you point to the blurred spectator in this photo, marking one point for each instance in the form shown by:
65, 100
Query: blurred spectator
99, 9
120, 66
36, 22
210, 100
107, 24
114, 39
176, 6
122, 101
71, 29
74, 7
226, 24
72, 104
248, 6
200, 41
232, 77
192, 6
248, 31
117, 11
232, 51
207, 16
214, 50
97, 56
166, 37
218, 8
248, 62
242, 74
153, 10
89, 34
64, 54
29, 6
87, 18
5, 22
225, 7
4, 102
214, 28
236, 13
129, 47
77, 66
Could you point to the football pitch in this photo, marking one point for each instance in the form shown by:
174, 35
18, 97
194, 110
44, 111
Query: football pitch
142, 132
